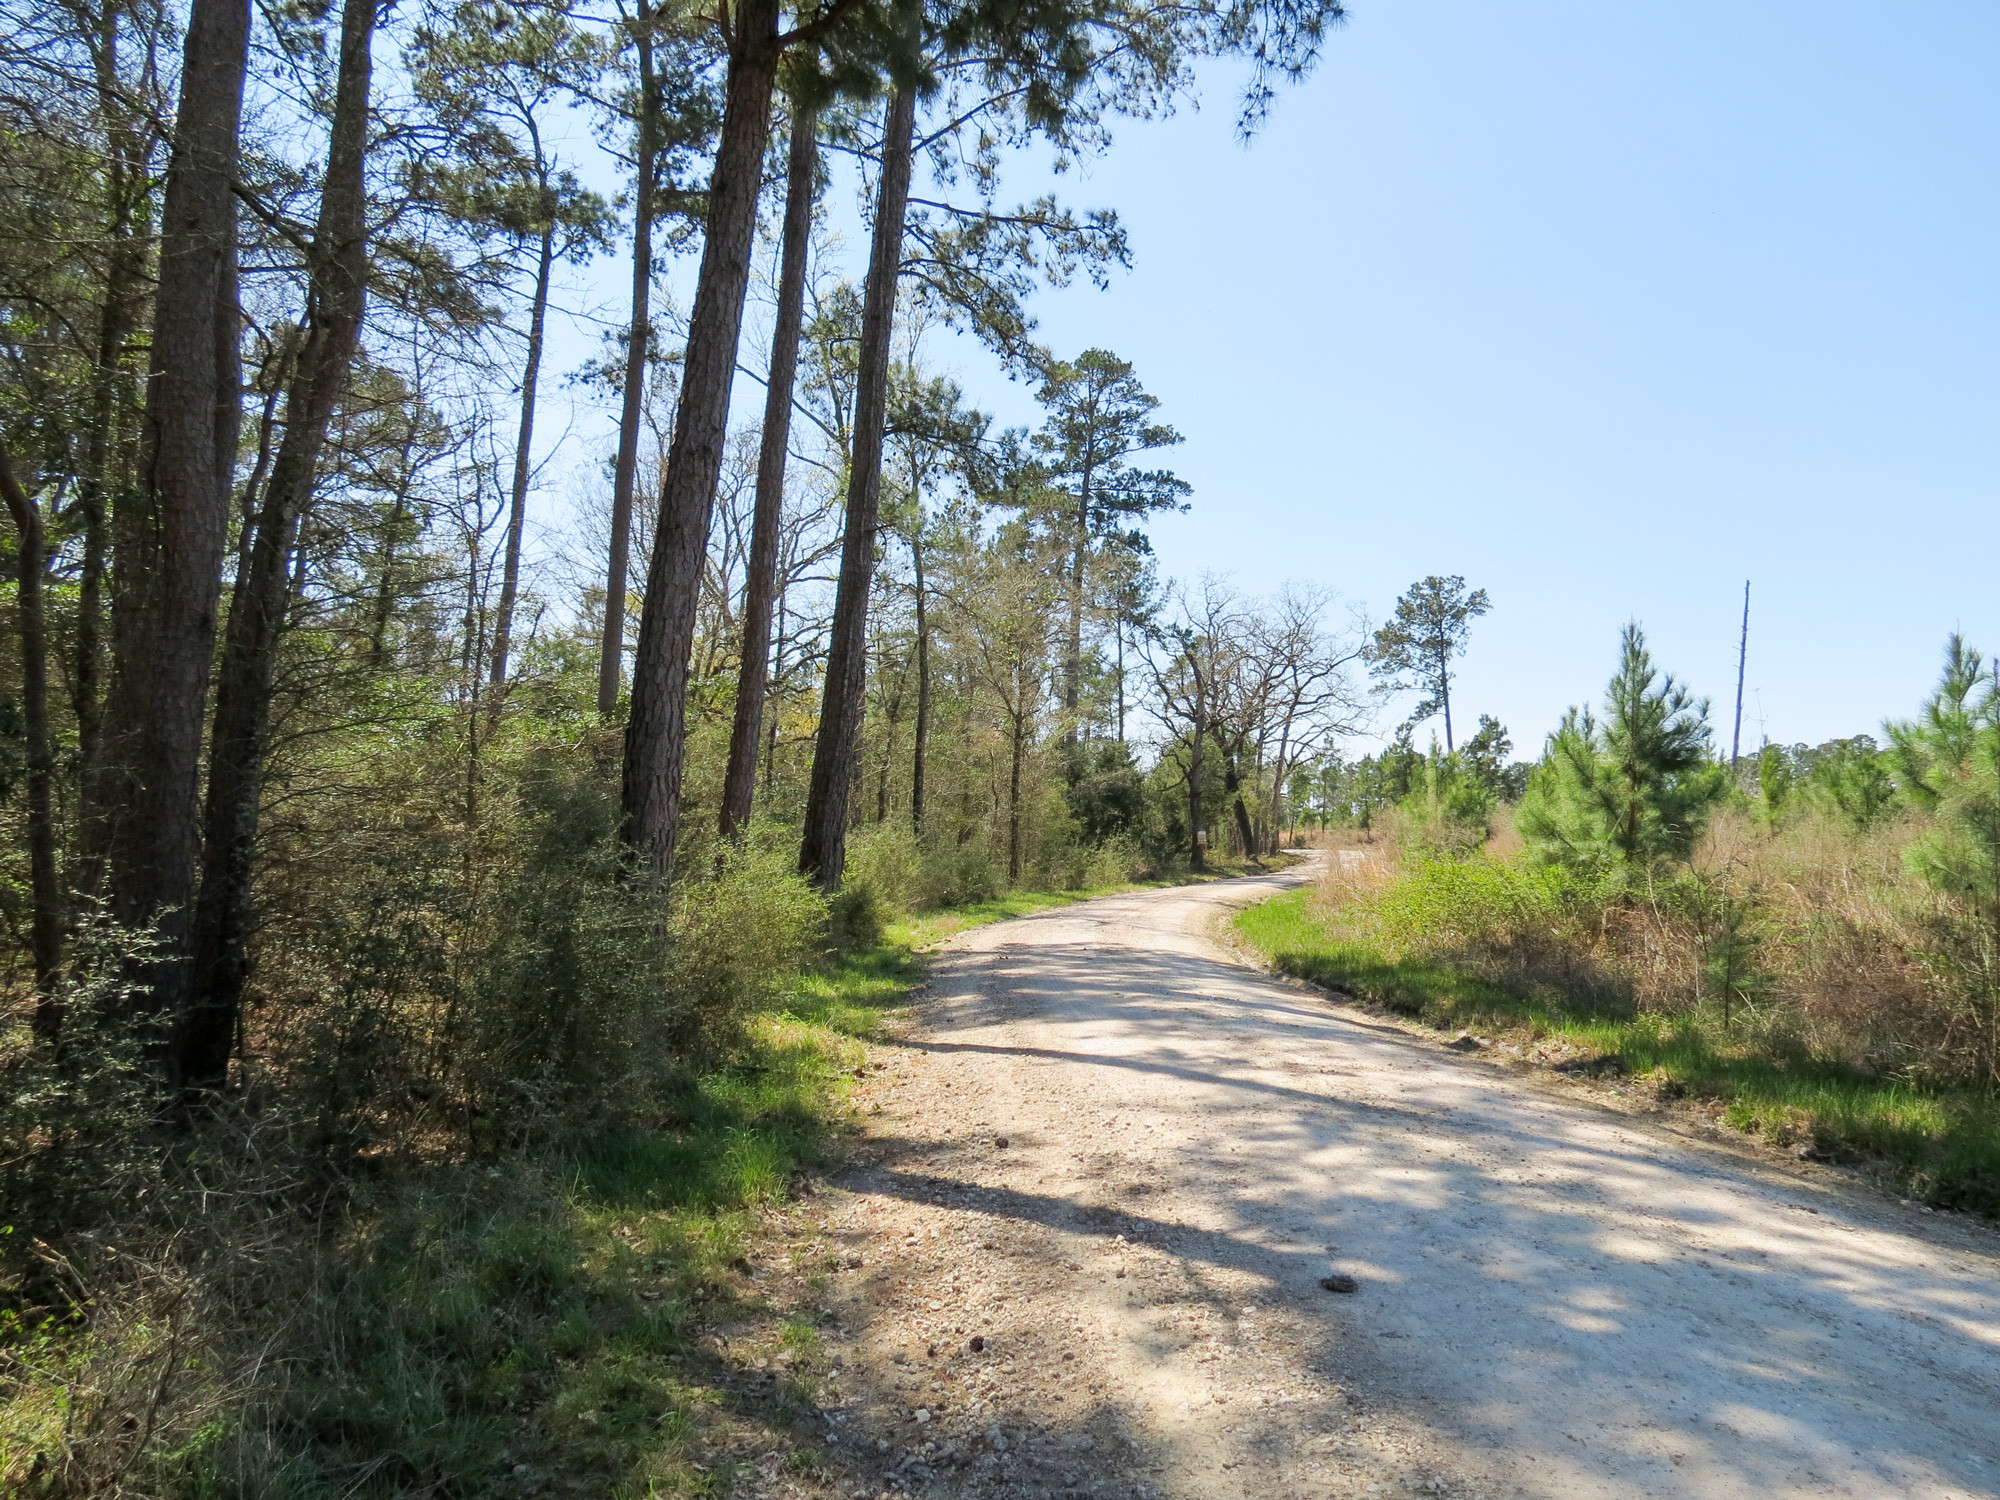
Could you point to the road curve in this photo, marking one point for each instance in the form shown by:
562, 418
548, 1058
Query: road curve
1555, 1299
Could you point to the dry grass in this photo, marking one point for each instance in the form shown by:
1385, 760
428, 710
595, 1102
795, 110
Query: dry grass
1803, 979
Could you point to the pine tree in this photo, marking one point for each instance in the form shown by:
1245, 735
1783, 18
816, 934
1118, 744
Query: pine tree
1415, 649
1633, 791
1099, 419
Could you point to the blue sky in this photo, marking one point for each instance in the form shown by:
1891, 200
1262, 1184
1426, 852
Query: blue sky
1606, 306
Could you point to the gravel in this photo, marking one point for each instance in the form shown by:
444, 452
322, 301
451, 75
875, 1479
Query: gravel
1130, 1299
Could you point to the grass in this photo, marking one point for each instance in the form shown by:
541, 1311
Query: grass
523, 1326
1939, 1145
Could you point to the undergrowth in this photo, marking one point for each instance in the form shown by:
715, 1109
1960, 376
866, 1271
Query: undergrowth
521, 1321
515, 1326
1939, 1144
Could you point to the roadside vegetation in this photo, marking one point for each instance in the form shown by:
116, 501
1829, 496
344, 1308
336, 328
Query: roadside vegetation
523, 1317
428, 941
1808, 944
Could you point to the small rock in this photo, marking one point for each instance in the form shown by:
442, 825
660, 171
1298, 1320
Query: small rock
923, 1415
978, 1343
1339, 1283
1000, 1141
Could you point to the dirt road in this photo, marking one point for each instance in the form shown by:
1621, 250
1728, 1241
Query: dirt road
1554, 1299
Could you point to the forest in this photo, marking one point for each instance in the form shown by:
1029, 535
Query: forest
360, 841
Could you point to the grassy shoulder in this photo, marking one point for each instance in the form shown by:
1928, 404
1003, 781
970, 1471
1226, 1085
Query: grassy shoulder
1939, 1145
531, 1325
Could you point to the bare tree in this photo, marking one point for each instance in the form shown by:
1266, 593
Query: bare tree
1308, 694
1192, 651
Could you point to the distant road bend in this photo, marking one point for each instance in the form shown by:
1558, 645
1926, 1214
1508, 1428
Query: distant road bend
1555, 1299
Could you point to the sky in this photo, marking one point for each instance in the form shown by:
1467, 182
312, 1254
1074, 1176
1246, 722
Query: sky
1606, 306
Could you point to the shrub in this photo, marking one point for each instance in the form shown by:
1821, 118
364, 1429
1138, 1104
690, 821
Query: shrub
888, 858
76, 1116
855, 917
1534, 930
1448, 814
596, 988
737, 935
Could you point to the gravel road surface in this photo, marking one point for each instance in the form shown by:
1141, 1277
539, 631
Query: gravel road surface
1554, 1297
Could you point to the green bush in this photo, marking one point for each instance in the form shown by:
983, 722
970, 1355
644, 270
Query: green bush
1449, 812
890, 861
1533, 930
597, 988
855, 917
737, 937
77, 1118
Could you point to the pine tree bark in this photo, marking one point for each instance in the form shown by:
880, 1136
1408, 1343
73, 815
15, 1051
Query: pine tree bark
823, 853
656, 737
336, 298
1197, 736
517, 508
46, 921
920, 752
1073, 656
106, 450
739, 786
143, 802
1017, 752
645, 153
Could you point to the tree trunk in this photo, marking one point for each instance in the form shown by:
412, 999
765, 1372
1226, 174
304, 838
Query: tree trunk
385, 583
517, 510
1444, 698
145, 795
777, 687
1197, 737
656, 737
46, 925
126, 185
823, 853
923, 725
1073, 657
1017, 749
611, 656
336, 295
1121, 681
753, 678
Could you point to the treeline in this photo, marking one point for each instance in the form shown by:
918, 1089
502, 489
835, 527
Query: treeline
323, 786
372, 869
1836, 905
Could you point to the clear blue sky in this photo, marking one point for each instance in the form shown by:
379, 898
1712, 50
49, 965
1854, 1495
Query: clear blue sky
1606, 305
